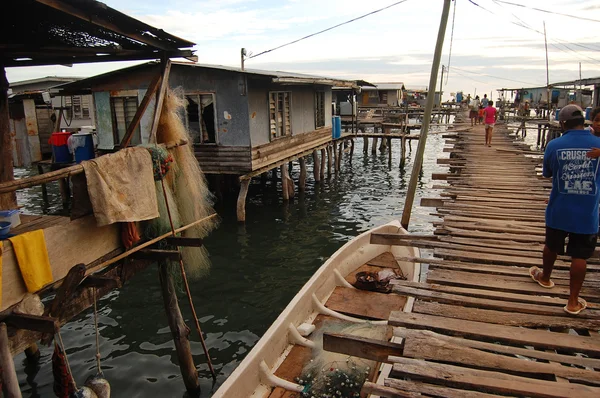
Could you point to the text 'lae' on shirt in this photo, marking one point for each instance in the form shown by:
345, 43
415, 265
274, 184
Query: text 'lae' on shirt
573, 203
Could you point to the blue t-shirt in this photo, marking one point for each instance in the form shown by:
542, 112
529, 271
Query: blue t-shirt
573, 203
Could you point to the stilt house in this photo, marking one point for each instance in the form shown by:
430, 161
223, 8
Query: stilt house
241, 121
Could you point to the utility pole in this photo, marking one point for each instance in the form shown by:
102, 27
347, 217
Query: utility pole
580, 93
547, 75
243, 56
416, 170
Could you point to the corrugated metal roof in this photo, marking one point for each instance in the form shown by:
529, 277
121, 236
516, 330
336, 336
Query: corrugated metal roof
386, 86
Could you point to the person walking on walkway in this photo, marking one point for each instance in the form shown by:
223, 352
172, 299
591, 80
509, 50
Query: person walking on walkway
491, 116
484, 101
573, 204
474, 108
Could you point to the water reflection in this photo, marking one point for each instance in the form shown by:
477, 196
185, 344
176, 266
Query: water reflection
257, 269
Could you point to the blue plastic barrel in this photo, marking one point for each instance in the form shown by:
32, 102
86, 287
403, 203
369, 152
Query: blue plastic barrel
337, 122
588, 113
85, 152
556, 114
60, 149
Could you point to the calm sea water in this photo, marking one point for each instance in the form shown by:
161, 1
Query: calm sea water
257, 268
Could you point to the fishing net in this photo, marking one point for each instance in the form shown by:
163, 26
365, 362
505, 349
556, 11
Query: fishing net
187, 183
329, 374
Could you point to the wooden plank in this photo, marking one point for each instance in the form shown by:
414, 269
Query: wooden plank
504, 284
361, 347
432, 202
493, 235
383, 391
508, 228
438, 350
500, 333
77, 234
363, 303
493, 303
433, 390
511, 351
498, 382
504, 317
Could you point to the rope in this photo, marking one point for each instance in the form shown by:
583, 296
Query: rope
62, 348
97, 333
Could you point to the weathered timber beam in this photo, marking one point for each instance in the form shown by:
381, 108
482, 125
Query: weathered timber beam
36, 323
362, 347
393, 239
101, 281
156, 254
184, 242
160, 98
432, 202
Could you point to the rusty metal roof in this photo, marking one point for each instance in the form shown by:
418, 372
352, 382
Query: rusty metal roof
45, 32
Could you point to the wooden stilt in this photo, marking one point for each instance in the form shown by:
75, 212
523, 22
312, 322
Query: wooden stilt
33, 353
539, 136
322, 169
351, 148
338, 164
302, 179
316, 166
263, 179
274, 176
290, 182
374, 147
389, 146
241, 202
335, 155
284, 181
65, 191
383, 144
290, 168
402, 151
44, 187
329, 161
7, 200
366, 144
179, 330
10, 382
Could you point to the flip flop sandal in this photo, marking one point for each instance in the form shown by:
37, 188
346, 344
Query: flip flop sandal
583, 307
535, 271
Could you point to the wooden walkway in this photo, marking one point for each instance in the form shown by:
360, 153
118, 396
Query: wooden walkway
480, 326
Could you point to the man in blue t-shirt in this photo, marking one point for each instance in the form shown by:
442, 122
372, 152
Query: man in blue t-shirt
573, 205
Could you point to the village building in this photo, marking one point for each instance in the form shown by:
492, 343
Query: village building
382, 94
242, 122
35, 110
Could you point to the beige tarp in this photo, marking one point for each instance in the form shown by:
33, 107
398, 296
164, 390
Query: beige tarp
121, 186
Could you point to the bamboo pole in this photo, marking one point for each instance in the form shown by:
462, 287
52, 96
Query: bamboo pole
28, 182
160, 98
412, 185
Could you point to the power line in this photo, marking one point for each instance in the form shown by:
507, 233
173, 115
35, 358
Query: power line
328, 29
495, 77
547, 11
451, 40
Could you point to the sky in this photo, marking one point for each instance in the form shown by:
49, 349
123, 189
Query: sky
493, 44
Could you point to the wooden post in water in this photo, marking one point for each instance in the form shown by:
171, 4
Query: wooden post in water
416, 170
374, 148
351, 148
322, 170
338, 164
365, 145
284, 182
179, 330
389, 145
7, 200
10, 382
290, 182
403, 151
335, 155
241, 201
316, 164
329, 161
302, 179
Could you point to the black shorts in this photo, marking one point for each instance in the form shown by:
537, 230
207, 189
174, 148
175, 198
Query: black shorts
472, 114
579, 246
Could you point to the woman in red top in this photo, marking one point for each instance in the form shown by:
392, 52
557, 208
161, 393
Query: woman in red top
491, 115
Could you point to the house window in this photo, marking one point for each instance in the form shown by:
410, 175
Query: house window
279, 114
201, 117
319, 109
78, 107
123, 109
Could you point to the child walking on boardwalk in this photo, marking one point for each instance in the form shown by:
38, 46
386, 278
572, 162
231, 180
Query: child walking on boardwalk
573, 205
480, 114
491, 115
